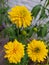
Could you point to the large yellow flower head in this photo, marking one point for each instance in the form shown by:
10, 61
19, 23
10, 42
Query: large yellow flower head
20, 16
37, 50
14, 51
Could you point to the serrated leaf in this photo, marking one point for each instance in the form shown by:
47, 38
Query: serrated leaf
36, 10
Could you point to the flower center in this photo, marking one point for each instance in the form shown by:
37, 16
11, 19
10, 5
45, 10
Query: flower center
23, 13
36, 50
14, 50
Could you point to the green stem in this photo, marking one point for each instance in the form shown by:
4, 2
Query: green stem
18, 34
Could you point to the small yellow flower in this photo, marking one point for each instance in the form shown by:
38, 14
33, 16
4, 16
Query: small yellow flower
20, 16
37, 51
14, 51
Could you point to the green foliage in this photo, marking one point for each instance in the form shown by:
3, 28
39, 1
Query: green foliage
4, 10
25, 60
9, 31
42, 31
43, 14
36, 10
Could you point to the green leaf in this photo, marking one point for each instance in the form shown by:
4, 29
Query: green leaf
44, 31
25, 60
9, 31
39, 33
36, 10
43, 14
3, 10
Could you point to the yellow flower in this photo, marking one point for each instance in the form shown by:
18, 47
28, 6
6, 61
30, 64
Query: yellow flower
37, 51
14, 51
20, 16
